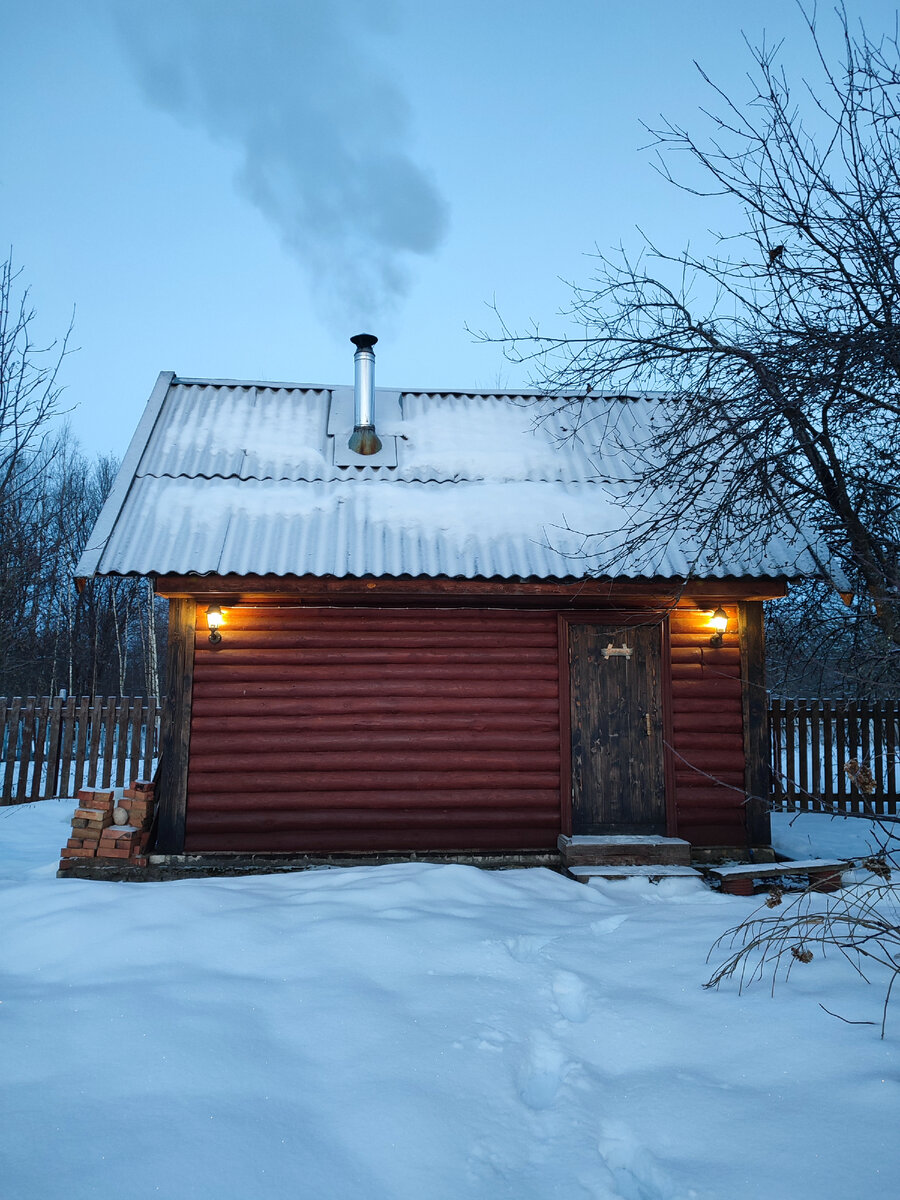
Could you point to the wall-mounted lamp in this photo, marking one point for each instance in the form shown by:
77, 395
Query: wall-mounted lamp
214, 619
719, 622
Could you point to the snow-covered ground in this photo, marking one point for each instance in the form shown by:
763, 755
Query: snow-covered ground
419, 1032
815, 835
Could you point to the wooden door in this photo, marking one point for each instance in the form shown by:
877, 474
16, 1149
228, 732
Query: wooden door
618, 775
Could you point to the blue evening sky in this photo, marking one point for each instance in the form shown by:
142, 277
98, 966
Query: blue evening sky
232, 189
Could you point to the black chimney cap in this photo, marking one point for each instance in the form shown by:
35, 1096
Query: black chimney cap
364, 341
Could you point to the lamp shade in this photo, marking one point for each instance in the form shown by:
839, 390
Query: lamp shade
719, 620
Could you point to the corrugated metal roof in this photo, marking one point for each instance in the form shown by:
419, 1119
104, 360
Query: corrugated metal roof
250, 478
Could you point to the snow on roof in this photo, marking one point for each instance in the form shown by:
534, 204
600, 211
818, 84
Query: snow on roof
255, 478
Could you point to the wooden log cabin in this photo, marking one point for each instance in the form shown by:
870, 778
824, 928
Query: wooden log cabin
416, 653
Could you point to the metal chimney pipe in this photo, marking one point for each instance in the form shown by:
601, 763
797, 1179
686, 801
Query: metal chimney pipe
364, 440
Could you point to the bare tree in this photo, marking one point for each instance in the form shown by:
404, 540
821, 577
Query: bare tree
105, 639
29, 391
778, 351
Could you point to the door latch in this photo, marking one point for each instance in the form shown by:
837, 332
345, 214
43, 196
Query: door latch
611, 651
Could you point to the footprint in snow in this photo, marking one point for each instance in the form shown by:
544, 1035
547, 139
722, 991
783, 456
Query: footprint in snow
490, 1039
608, 924
541, 1072
637, 1172
571, 996
527, 947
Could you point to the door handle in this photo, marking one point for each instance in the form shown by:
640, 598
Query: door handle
647, 719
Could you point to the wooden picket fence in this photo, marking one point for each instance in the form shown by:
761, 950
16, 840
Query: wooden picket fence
812, 740
50, 746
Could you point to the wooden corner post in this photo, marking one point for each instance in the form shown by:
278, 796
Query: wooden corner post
757, 771
176, 728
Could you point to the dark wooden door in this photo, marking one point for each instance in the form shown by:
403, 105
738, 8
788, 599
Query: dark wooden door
618, 775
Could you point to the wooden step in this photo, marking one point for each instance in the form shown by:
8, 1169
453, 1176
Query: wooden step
653, 872
824, 874
624, 850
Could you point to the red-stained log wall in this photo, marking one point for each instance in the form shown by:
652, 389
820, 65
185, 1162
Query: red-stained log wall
708, 731
345, 729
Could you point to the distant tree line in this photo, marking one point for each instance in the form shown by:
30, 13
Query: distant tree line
818, 645
106, 639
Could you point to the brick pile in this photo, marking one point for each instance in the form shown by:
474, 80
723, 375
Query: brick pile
107, 827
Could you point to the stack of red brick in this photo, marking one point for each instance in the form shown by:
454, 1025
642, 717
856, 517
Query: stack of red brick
107, 829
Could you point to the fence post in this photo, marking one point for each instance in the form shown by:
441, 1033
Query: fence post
41, 713
12, 748
54, 746
81, 742
25, 757
891, 759
67, 737
828, 786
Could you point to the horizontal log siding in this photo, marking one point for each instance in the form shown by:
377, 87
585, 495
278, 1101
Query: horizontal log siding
335, 729
708, 731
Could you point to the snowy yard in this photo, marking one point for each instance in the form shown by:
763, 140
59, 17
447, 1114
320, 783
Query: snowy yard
420, 1032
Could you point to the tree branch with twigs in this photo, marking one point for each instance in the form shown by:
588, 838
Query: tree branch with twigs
778, 353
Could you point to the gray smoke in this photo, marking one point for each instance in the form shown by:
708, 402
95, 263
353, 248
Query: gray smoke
321, 133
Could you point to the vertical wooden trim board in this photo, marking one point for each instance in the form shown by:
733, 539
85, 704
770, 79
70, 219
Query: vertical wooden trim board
176, 727
668, 729
565, 727
756, 722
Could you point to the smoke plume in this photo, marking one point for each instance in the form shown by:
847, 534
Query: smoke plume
321, 132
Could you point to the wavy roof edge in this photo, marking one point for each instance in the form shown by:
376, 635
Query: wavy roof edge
618, 580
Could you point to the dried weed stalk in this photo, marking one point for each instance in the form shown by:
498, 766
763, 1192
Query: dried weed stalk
861, 923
